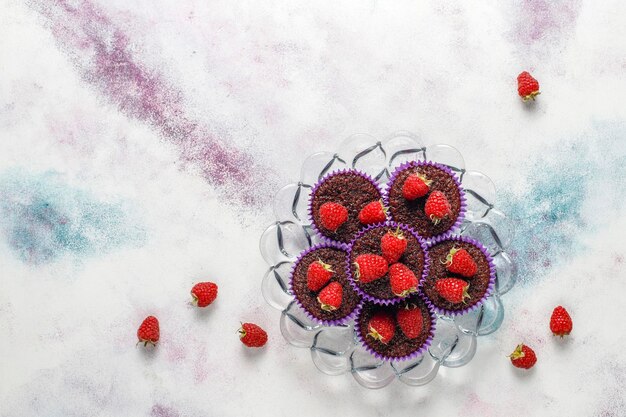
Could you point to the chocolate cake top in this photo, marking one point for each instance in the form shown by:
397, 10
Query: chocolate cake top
336, 257
353, 190
411, 212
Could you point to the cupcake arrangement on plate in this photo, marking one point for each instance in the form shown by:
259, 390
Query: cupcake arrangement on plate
389, 258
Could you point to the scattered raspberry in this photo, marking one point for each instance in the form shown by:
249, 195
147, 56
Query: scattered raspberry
370, 267
333, 215
523, 357
403, 281
330, 297
149, 331
393, 245
252, 335
373, 212
382, 327
415, 186
410, 321
527, 86
560, 322
459, 261
204, 293
453, 289
437, 206
318, 275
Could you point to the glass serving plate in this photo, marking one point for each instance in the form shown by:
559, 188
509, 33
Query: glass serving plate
335, 350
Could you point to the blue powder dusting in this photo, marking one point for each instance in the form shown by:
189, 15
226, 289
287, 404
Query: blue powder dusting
547, 217
42, 218
550, 213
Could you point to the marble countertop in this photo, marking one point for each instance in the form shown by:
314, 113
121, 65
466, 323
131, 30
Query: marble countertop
141, 144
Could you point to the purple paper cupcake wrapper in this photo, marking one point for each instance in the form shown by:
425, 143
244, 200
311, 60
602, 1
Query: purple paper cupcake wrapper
412, 164
492, 275
328, 244
422, 350
391, 224
317, 231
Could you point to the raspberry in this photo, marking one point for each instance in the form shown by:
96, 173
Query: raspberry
415, 186
523, 357
373, 212
527, 86
381, 327
318, 274
333, 215
560, 322
330, 297
393, 245
452, 289
459, 261
437, 206
252, 335
403, 281
149, 332
204, 293
370, 267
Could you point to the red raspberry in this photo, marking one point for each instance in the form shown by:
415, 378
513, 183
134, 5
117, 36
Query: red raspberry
403, 281
373, 212
382, 327
330, 297
370, 267
527, 86
149, 331
252, 335
393, 245
410, 321
437, 206
452, 289
333, 215
523, 357
560, 322
459, 261
318, 274
415, 186
204, 293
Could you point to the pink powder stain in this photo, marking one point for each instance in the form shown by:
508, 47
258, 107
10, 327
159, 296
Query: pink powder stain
159, 410
539, 19
104, 55
200, 370
175, 352
474, 405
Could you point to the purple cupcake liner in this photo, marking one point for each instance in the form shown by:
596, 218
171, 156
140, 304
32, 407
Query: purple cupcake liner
318, 231
328, 244
412, 164
391, 224
492, 275
422, 349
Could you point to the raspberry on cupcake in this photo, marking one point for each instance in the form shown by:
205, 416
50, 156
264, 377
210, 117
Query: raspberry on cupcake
396, 332
387, 262
320, 285
461, 275
427, 197
342, 202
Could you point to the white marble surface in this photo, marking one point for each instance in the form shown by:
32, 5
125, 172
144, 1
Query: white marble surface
140, 144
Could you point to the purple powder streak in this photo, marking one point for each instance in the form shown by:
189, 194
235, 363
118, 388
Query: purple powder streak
159, 410
103, 54
539, 19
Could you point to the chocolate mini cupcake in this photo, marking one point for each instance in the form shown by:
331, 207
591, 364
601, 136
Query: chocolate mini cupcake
396, 332
461, 276
337, 200
427, 197
369, 242
316, 272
